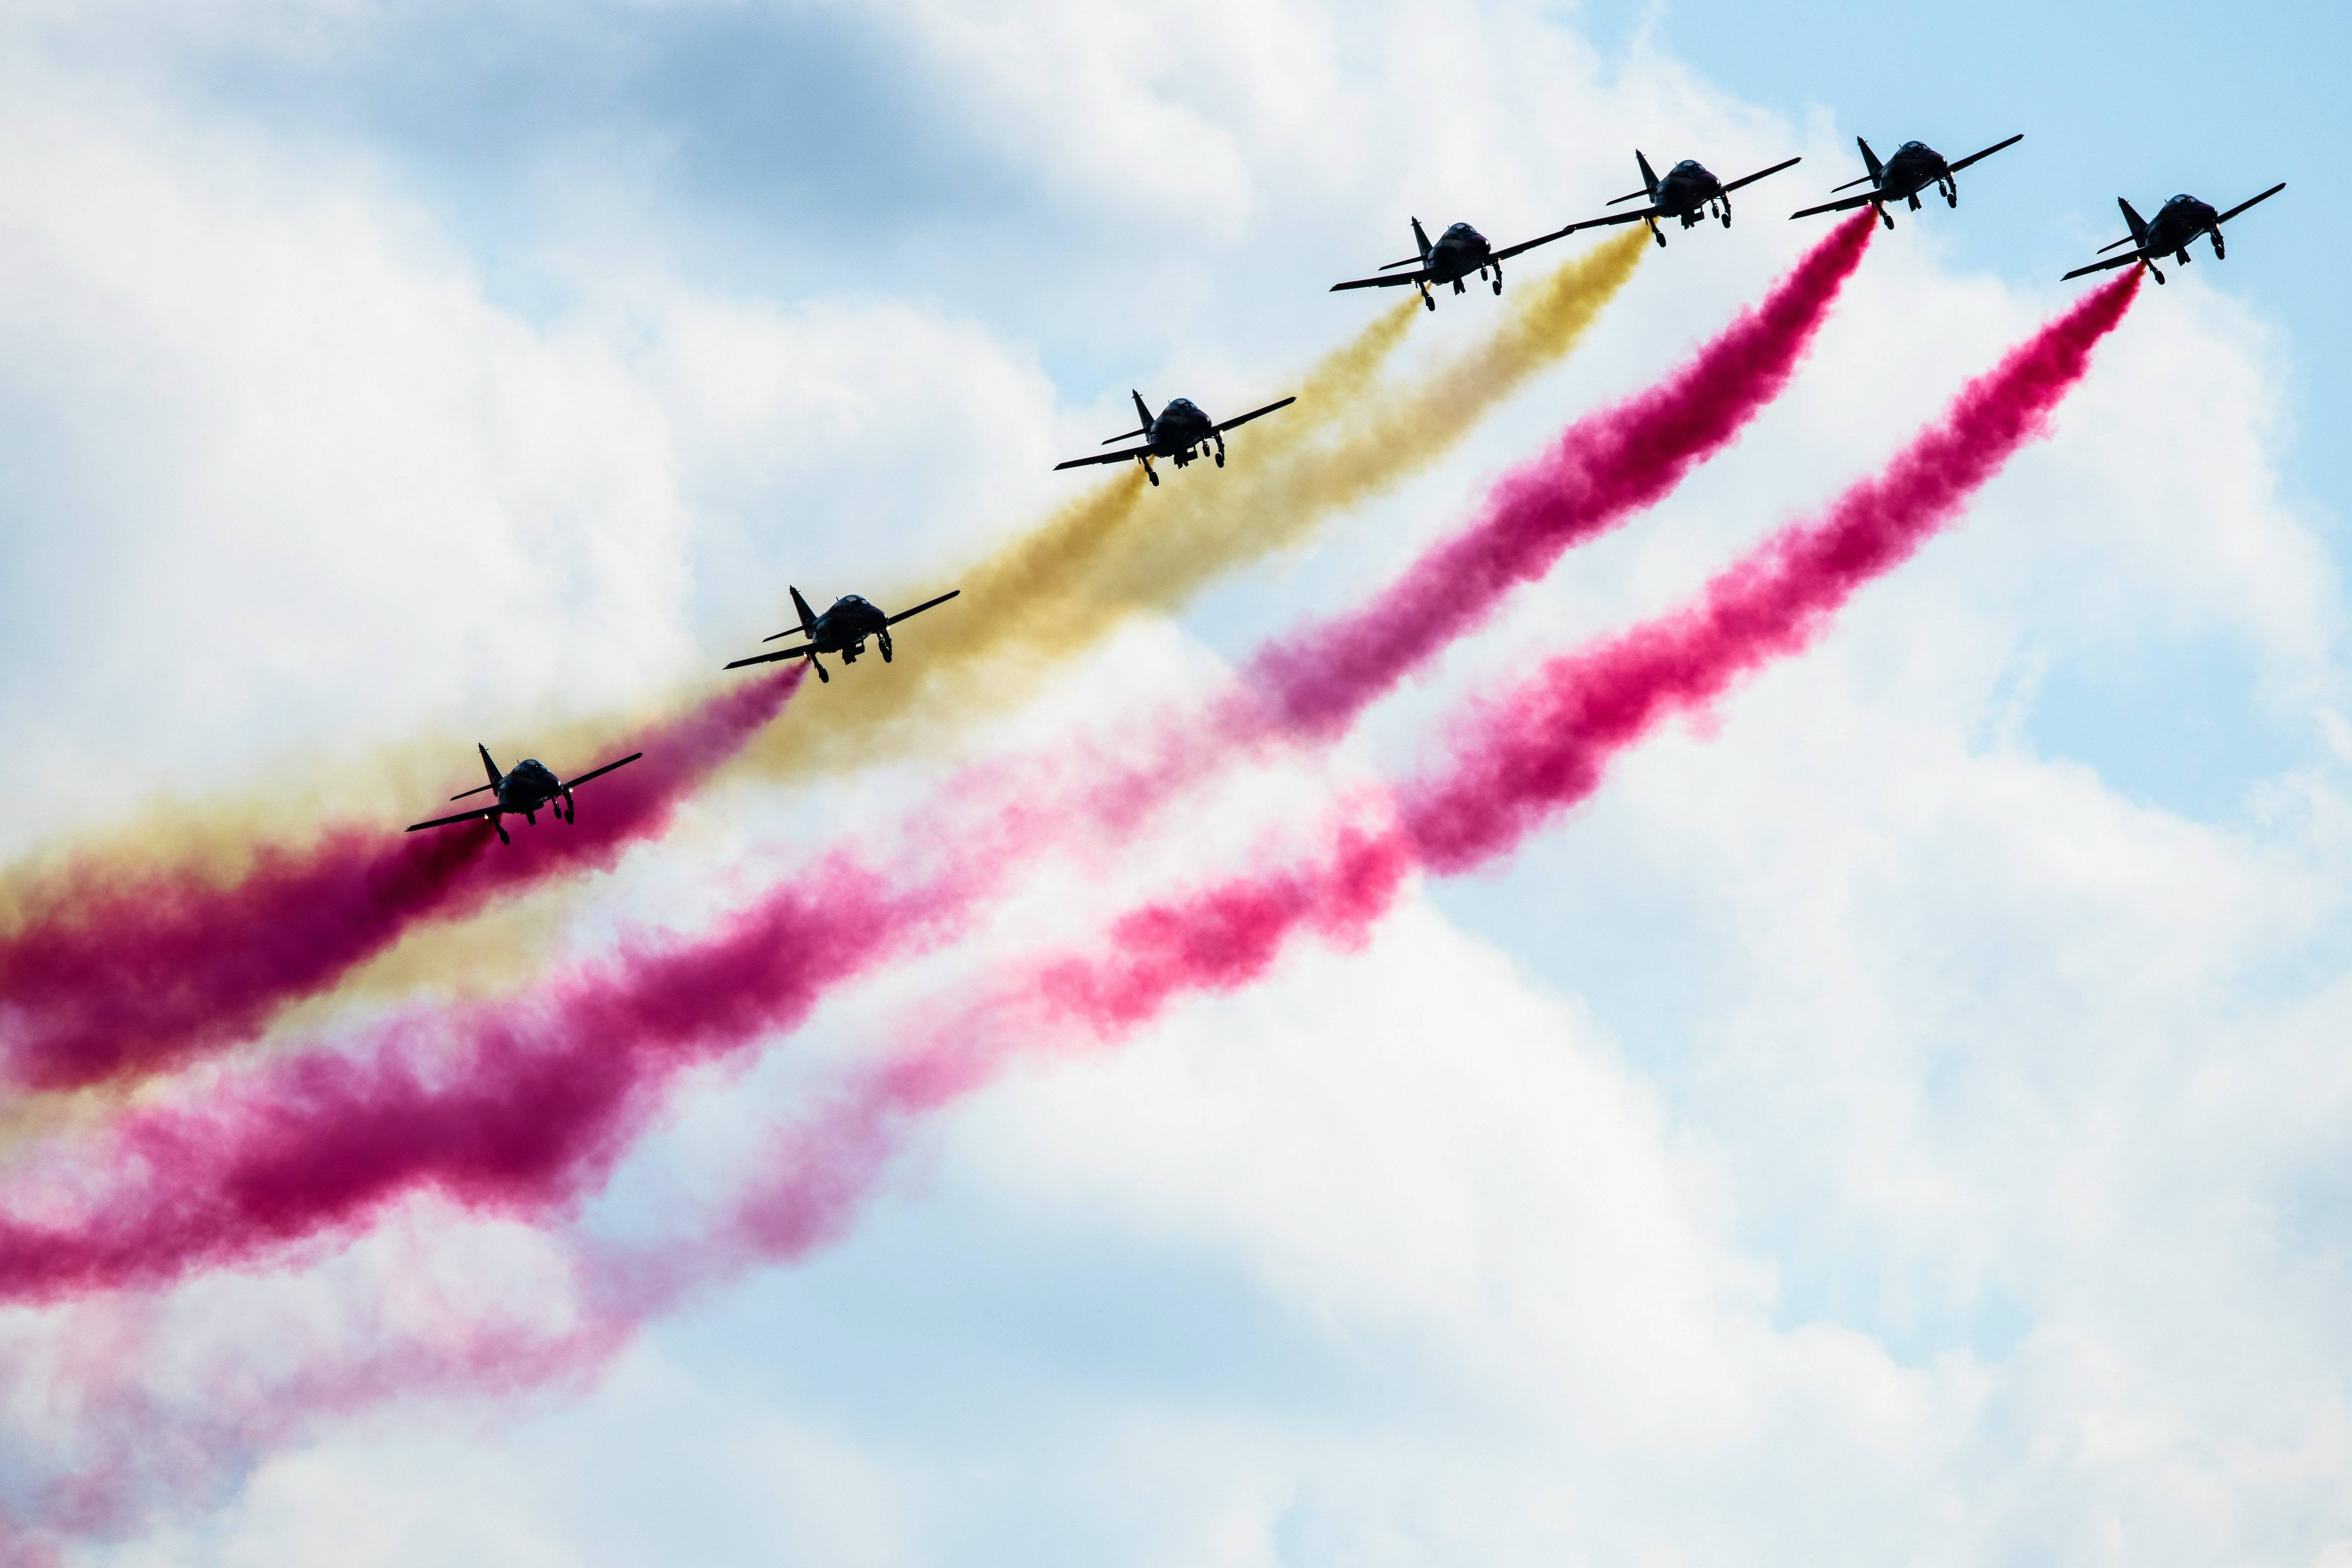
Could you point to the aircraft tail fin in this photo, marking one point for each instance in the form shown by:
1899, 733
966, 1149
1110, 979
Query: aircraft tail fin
1649, 175
1142, 414
489, 766
1870, 161
1421, 238
2138, 223
808, 617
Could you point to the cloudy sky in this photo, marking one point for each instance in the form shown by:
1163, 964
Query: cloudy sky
1902, 1117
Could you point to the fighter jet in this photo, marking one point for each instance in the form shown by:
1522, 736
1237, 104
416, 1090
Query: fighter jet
1688, 192
1459, 251
525, 792
1182, 432
2177, 222
842, 629
1914, 168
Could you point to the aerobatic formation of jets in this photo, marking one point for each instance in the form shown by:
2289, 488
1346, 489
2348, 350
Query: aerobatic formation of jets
1688, 193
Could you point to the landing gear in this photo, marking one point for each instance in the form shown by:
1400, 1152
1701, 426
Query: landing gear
1914, 199
2181, 256
1951, 193
884, 640
2219, 254
1426, 302
1148, 472
1221, 449
571, 810
1885, 216
532, 817
1458, 287
1656, 232
501, 830
821, 674
2152, 271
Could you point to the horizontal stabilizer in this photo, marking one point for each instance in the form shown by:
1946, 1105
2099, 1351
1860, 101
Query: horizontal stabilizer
2125, 240
1860, 179
926, 605
475, 790
1863, 200
1628, 196
1124, 435
1390, 282
1408, 261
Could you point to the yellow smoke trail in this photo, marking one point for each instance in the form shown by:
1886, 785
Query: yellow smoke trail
1122, 550
1111, 552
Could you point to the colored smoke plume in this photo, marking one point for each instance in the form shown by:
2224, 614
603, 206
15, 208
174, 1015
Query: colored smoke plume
1520, 759
1603, 467
1125, 549
125, 973
524, 1102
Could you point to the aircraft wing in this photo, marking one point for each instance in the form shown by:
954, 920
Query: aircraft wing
1505, 254
1851, 202
600, 772
446, 821
1418, 275
1635, 216
2132, 260
800, 652
1960, 163
1245, 419
1751, 179
926, 605
1098, 457
2242, 207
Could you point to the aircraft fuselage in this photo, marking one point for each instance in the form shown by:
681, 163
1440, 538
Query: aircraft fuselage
1915, 167
1460, 252
1687, 189
844, 629
528, 788
2177, 222
1181, 431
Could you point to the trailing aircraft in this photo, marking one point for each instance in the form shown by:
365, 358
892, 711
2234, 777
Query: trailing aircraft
1689, 192
842, 629
1915, 167
531, 788
1181, 433
2177, 222
1459, 251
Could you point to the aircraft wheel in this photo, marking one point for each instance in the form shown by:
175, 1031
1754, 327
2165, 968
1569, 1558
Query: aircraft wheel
1152, 477
1428, 302
1660, 237
502, 837
1498, 285
1951, 198
1726, 217
1221, 459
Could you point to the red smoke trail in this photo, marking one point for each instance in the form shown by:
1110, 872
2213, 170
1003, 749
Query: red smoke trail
1522, 758
1604, 468
133, 974
504, 1106
533, 1098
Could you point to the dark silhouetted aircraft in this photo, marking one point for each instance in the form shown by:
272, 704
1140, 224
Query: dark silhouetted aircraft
842, 629
525, 792
1914, 168
1181, 433
1688, 192
2177, 222
1459, 251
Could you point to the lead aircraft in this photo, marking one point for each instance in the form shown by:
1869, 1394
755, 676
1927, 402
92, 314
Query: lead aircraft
1689, 192
531, 788
2177, 222
1459, 251
1914, 168
842, 629
1181, 433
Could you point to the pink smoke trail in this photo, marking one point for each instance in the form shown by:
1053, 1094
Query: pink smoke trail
126, 976
311, 1148
1603, 467
1522, 758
